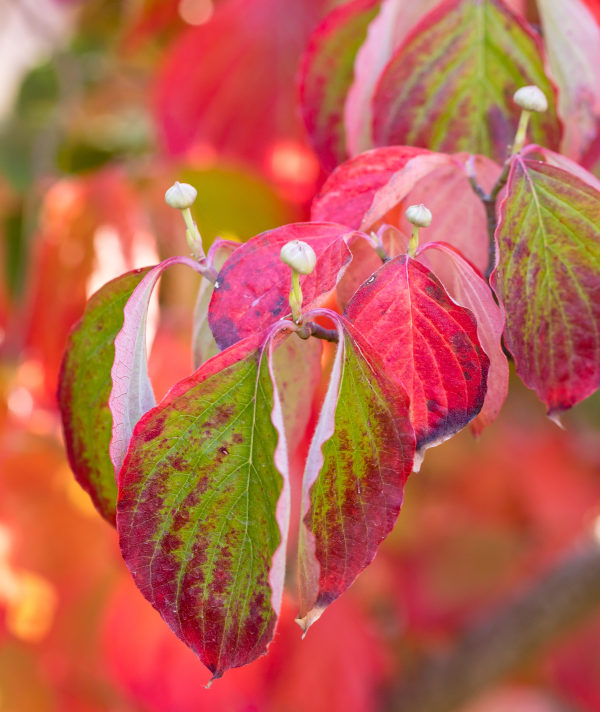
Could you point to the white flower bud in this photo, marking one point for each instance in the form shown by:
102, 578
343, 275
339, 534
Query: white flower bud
299, 256
418, 215
181, 196
531, 98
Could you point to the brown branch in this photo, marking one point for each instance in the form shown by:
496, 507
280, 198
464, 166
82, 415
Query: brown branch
310, 328
493, 648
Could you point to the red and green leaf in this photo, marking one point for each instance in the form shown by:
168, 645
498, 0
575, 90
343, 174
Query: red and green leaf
203, 505
468, 288
252, 289
132, 395
359, 459
326, 74
84, 389
203, 342
427, 343
449, 86
548, 278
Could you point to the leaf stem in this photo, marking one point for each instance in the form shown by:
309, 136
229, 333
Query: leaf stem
192, 235
296, 297
521, 134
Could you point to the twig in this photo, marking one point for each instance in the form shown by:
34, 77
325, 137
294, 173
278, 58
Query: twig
310, 328
491, 649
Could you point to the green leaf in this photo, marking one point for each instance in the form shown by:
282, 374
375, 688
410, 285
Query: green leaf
204, 505
449, 87
548, 278
84, 388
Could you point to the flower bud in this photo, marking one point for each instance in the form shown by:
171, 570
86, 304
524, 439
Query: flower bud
181, 196
418, 215
531, 98
299, 256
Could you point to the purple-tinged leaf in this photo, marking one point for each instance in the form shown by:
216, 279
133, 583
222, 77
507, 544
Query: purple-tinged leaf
360, 456
449, 86
467, 287
548, 279
427, 343
552, 158
203, 342
572, 41
326, 74
84, 388
385, 34
253, 287
203, 506
132, 395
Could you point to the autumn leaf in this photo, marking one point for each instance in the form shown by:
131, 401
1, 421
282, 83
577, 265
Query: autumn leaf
359, 459
428, 346
548, 279
204, 505
449, 86
84, 389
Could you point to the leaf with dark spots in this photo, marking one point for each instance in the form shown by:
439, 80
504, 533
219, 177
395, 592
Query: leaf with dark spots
359, 459
261, 282
548, 279
132, 395
203, 506
468, 288
449, 86
84, 388
426, 346
326, 75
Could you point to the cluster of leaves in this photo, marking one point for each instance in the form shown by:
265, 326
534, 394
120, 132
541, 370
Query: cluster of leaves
200, 485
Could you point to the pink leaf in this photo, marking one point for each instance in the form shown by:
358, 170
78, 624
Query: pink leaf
252, 289
427, 343
468, 288
132, 394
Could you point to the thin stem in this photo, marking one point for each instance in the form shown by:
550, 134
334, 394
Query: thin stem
192, 234
521, 134
296, 297
310, 328
414, 241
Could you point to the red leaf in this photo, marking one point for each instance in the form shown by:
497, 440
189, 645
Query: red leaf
359, 459
252, 289
326, 75
468, 288
427, 343
132, 394
548, 278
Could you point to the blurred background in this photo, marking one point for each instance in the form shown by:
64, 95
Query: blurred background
103, 105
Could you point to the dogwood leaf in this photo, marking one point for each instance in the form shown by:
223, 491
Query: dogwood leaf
449, 86
548, 278
132, 395
468, 288
203, 505
252, 289
84, 388
360, 456
427, 343
326, 75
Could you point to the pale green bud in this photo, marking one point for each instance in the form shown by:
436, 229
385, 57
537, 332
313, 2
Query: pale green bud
181, 196
299, 256
418, 215
531, 98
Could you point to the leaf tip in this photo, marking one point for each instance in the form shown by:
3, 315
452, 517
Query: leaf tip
311, 617
555, 417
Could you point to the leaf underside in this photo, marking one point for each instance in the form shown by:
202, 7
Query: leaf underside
84, 388
548, 278
449, 87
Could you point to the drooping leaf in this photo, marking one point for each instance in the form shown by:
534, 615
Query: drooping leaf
131, 395
449, 86
359, 459
572, 40
252, 289
379, 185
427, 343
468, 288
204, 505
385, 34
203, 342
84, 389
326, 75
548, 278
